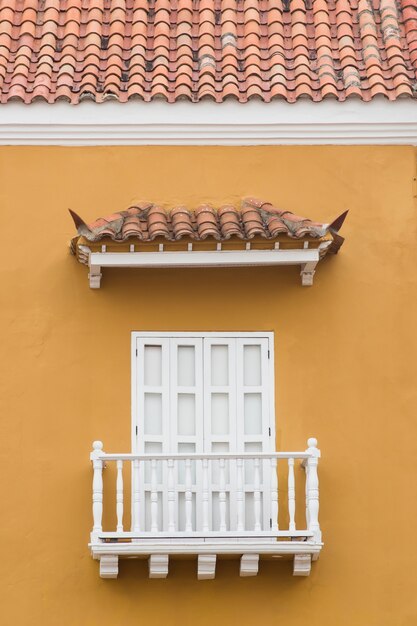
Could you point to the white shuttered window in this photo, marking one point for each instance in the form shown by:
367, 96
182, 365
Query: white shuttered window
203, 394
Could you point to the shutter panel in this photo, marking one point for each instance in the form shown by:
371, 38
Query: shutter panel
220, 420
153, 418
253, 423
186, 419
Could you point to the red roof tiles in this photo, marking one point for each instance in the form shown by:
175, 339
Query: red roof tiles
215, 49
256, 218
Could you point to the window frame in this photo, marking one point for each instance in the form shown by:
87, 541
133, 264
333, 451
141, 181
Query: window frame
135, 335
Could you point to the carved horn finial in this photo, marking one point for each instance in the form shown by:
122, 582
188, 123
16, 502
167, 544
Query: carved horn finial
80, 225
337, 224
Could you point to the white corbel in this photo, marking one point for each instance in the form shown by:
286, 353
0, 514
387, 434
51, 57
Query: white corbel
109, 566
302, 565
94, 276
158, 565
307, 273
206, 568
249, 564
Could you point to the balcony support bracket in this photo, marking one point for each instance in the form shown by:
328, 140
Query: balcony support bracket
206, 566
158, 565
109, 566
249, 564
302, 565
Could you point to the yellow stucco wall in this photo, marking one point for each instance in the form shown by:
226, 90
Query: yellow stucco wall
345, 372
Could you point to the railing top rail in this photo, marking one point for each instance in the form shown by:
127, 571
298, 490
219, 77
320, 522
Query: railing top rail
197, 457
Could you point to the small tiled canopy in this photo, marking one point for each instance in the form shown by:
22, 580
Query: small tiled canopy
146, 222
147, 235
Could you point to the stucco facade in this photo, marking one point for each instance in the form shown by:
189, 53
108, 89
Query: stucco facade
345, 373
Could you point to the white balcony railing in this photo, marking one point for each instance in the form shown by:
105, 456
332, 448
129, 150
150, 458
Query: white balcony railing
205, 505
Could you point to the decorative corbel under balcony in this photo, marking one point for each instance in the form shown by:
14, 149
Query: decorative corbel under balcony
147, 236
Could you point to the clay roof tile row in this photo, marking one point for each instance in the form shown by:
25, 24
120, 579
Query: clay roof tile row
176, 49
255, 218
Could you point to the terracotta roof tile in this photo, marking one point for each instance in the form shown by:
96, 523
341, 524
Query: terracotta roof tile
101, 49
255, 218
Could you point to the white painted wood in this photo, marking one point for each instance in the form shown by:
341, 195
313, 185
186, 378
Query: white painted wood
220, 423
136, 510
274, 496
312, 489
97, 462
211, 545
154, 497
171, 496
249, 565
158, 565
188, 497
119, 495
169, 366
210, 456
307, 273
257, 495
306, 258
291, 494
206, 123
94, 277
256, 419
222, 495
206, 566
302, 565
109, 566
206, 509
240, 495
198, 534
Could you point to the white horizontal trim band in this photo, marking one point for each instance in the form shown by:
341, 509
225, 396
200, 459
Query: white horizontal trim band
203, 259
208, 546
208, 123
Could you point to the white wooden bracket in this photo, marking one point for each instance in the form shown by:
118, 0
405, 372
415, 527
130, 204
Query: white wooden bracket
206, 566
109, 566
307, 274
94, 276
158, 565
306, 258
302, 565
249, 564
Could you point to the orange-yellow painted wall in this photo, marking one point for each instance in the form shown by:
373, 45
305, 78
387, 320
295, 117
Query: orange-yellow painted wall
345, 372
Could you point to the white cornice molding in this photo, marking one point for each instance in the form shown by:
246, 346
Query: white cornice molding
206, 123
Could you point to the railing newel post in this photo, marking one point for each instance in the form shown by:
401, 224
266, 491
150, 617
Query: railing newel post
312, 489
95, 457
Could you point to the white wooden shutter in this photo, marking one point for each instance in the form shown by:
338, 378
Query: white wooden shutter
254, 429
203, 394
186, 418
153, 410
220, 419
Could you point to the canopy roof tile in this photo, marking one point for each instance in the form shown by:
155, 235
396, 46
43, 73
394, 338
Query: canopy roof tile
256, 218
207, 49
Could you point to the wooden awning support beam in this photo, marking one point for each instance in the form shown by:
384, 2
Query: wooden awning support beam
306, 258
